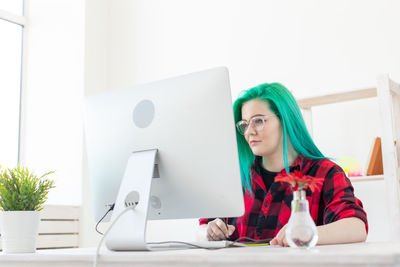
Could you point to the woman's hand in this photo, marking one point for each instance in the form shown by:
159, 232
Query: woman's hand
218, 230
215, 230
280, 238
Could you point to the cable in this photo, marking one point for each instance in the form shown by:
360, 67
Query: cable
260, 241
180, 242
108, 230
110, 209
163, 242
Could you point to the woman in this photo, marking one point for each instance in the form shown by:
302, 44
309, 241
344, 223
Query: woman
272, 137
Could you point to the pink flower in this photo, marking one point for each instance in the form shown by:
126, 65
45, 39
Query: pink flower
298, 180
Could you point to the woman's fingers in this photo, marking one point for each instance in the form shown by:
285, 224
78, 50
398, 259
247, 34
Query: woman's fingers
218, 230
213, 233
223, 227
285, 243
210, 234
280, 238
231, 229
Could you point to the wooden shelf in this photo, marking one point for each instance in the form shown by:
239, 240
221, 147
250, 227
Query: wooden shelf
366, 178
307, 103
387, 93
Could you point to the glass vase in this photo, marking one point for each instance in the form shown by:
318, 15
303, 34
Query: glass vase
301, 231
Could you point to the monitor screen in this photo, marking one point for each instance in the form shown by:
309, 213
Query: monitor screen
189, 121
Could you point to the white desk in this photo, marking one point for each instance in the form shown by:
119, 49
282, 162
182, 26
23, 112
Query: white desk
359, 254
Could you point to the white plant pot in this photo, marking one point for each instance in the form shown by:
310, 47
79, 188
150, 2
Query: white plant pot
19, 231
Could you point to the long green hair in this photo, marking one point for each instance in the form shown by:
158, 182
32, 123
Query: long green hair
285, 107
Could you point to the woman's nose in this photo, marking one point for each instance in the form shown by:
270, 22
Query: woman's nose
250, 130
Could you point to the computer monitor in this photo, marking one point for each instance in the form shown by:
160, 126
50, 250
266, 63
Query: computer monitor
170, 146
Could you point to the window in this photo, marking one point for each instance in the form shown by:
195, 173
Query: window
12, 25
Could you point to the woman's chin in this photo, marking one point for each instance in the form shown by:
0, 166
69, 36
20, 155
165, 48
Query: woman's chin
256, 151
261, 151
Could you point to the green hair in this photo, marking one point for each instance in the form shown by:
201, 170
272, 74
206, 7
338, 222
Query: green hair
283, 104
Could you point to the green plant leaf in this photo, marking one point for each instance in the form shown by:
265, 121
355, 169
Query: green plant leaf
23, 190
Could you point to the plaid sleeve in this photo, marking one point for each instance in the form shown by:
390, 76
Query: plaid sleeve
340, 202
205, 220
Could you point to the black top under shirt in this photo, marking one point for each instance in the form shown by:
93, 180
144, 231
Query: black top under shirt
267, 176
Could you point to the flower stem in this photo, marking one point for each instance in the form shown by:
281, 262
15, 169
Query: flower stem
296, 207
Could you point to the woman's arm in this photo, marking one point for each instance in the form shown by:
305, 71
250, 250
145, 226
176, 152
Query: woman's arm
347, 230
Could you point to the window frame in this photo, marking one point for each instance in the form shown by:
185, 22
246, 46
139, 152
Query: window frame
23, 22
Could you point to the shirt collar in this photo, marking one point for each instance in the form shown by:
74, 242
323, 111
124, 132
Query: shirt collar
298, 164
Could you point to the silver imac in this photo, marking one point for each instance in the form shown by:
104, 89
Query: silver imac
167, 147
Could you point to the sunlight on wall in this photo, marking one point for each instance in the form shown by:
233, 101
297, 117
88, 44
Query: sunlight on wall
52, 115
10, 68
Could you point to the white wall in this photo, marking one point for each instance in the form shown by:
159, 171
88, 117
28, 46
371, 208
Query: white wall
372, 194
97, 69
312, 47
52, 97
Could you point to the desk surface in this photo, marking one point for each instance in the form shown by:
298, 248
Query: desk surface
358, 254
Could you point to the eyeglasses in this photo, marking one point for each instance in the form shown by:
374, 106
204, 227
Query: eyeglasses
257, 123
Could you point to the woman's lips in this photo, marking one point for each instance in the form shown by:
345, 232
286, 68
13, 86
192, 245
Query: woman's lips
253, 143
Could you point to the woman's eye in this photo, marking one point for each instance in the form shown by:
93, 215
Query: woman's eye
258, 121
243, 125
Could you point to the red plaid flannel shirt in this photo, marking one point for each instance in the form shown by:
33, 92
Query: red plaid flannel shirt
266, 212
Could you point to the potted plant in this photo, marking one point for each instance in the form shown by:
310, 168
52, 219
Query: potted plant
22, 195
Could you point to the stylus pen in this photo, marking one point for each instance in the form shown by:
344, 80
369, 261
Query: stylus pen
259, 244
226, 225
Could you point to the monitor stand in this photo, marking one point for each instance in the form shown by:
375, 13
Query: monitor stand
129, 232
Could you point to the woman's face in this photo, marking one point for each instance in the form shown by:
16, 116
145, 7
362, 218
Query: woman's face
267, 141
